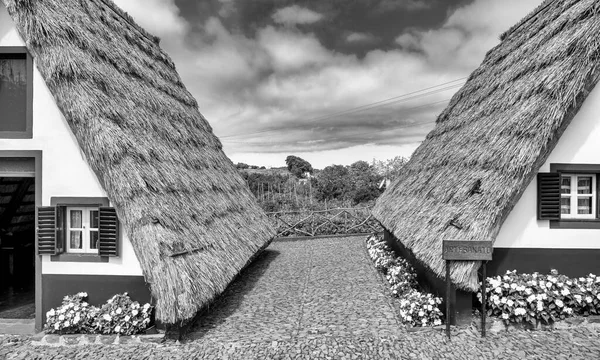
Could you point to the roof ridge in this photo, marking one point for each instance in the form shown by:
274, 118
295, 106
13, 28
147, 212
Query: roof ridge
129, 19
543, 6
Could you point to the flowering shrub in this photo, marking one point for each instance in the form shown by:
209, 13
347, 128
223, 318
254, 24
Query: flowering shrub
416, 308
122, 316
529, 298
119, 315
420, 309
75, 315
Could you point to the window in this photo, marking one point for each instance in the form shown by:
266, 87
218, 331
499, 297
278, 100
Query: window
567, 196
16, 96
82, 230
78, 229
577, 196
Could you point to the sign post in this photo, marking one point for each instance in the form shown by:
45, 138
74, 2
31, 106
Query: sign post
457, 250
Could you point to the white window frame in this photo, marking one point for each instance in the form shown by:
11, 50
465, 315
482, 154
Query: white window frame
573, 195
85, 229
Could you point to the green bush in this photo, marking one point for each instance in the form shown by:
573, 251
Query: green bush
532, 298
120, 315
416, 308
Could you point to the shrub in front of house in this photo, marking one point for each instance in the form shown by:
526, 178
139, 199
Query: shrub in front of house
119, 315
75, 315
122, 316
416, 308
533, 298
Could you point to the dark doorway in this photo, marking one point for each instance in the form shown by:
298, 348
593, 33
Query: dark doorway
17, 247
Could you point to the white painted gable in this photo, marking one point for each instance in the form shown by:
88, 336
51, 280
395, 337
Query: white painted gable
580, 144
65, 172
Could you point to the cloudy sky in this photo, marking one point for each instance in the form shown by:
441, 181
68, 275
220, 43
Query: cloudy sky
332, 81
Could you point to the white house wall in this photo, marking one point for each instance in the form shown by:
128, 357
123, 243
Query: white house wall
580, 144
65, 173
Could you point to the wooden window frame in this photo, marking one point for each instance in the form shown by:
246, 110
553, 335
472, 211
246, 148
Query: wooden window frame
592, 222
574, 195
86, 228
64, 203
28, 133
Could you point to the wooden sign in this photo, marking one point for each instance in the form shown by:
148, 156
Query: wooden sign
467, 250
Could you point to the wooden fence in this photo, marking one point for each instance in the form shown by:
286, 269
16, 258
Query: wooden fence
324, 222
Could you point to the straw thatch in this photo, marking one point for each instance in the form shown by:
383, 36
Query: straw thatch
488, 144
190, 217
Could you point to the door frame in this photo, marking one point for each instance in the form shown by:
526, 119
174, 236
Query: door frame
37, 156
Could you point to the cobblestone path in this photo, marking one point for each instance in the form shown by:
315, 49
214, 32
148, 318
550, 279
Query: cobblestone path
319, 299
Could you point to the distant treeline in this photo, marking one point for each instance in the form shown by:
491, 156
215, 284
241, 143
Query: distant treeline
302, 187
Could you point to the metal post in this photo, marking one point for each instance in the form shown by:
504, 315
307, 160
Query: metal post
448, 290
483, 300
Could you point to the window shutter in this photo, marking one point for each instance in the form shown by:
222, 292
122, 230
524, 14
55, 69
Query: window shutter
108, 232
548, 185
46, 230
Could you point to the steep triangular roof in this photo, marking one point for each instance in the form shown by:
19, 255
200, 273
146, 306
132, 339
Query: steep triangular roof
488, 144
189, 215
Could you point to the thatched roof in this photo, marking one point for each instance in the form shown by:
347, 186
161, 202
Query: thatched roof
488, 144
190, 217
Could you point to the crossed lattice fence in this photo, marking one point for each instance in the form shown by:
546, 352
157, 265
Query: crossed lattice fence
324, 222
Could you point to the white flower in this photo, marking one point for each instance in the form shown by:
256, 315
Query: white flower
503, 300
117, 329
429, 307
119, 311
565, 292
510, 302
598, 296
569, 282
61, 317
568, 310
421, 313
520, 311
558, 303
424, 321
548, 285
82, 294
409, 318
146, 306
67, 324
437, 322
540, 306
127, 317
134, 312
530, 298
505, 316
506, 285
76, 319
513, 286
57, 326
520, 288
498, 290
578, 297
588, 299
50, 313
107, 317
544, 296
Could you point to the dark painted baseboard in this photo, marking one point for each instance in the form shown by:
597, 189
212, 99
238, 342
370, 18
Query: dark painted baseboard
99, 288
571, 262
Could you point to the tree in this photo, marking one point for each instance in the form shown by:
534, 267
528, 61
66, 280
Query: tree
241, 165
364, 180
390, 168
332, 183
298, 166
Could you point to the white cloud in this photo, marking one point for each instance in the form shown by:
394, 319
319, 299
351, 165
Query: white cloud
295, 14
285, 79
160, 17
291, 50
359, 37
468, 33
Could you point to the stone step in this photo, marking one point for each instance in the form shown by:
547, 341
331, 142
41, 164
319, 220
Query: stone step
17, 326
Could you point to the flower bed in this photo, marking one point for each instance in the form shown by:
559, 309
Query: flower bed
416, 308
537, 298
120, 315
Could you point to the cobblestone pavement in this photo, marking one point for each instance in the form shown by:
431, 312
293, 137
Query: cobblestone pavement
319, 299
